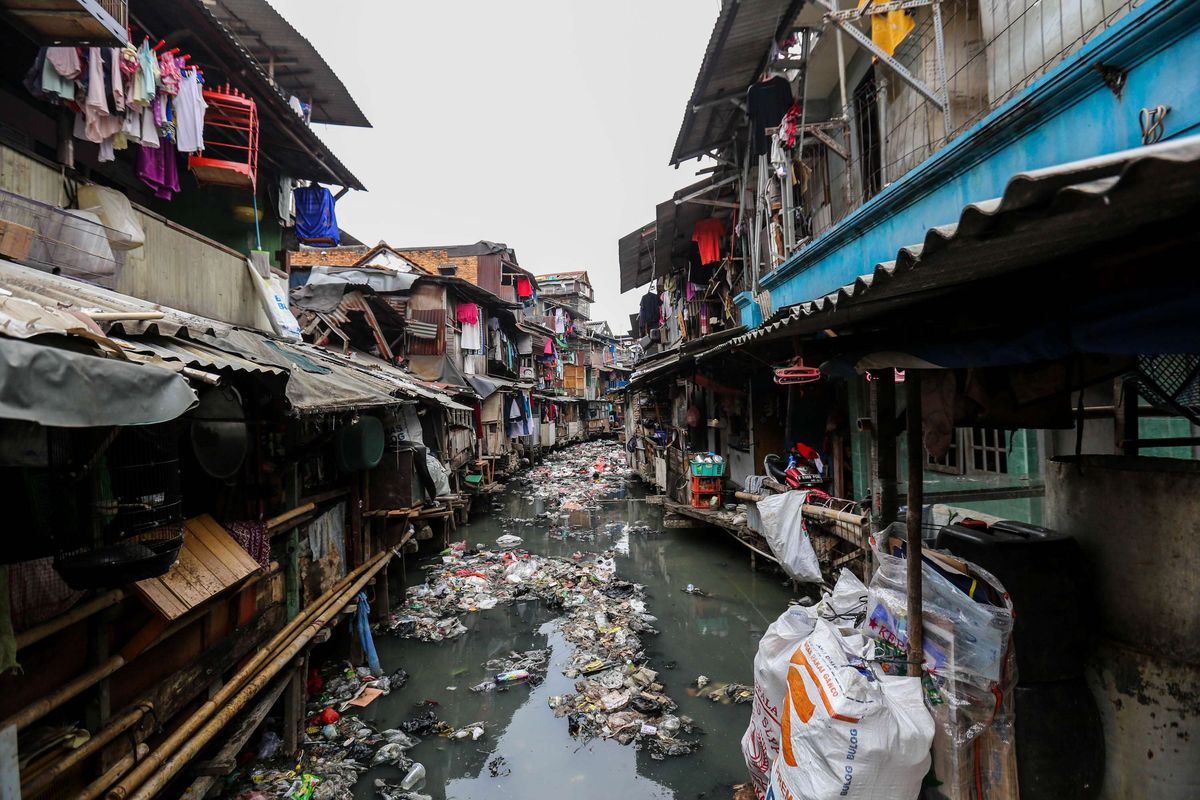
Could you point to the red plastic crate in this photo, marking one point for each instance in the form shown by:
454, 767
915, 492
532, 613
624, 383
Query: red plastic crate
705, 485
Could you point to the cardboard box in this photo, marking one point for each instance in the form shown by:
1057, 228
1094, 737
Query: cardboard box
15, 240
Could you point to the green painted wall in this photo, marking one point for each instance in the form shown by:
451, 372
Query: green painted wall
208, 210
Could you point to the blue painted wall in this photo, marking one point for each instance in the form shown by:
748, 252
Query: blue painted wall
1067, 115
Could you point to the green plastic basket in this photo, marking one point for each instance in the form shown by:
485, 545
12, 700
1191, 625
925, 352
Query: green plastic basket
703, 470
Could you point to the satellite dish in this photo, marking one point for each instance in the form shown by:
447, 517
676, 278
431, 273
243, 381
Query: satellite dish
219, 434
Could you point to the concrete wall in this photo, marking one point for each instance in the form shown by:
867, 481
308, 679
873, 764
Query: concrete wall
1137, 520
175, 267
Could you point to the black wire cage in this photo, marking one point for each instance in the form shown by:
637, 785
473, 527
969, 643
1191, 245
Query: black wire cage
137, 528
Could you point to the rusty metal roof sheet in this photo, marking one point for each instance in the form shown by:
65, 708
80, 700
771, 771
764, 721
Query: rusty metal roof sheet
77, 298
737, 52
297, 66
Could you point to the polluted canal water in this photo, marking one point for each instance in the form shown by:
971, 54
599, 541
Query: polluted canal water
525, 750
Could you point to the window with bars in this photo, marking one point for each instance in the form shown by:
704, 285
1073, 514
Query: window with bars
987, 450
974, 451
951, 462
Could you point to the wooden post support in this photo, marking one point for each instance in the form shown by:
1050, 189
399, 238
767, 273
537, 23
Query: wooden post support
291, 574
403, 584
293, 710
885, 445
356, 545
292, 593
383, 601
916, 501
97, 709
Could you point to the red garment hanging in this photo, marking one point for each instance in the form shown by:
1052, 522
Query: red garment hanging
707, 235
524, 287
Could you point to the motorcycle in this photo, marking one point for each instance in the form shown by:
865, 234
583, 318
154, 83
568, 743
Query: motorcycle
803, 468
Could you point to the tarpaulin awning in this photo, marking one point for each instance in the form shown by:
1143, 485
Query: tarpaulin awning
63, 388
325, 286
487, 385
436, 369
483, 386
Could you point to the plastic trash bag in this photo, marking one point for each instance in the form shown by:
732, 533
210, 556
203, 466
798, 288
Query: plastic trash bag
783, 527
970, 664
440, 475
273, 297
116, 213
847, 731
761, 743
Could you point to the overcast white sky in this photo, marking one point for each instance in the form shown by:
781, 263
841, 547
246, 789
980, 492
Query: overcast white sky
544, 124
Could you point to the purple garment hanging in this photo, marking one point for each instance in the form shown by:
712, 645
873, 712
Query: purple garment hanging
158, 169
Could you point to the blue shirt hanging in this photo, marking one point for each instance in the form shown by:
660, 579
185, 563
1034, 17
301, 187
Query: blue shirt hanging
316, 221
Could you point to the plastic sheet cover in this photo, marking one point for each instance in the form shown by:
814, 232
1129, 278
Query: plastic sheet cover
65, 389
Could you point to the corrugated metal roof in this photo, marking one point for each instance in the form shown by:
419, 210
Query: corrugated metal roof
737, 52
683, 355
635, 254
200, 356
1042, 216
298, 66
78, 298
285, 138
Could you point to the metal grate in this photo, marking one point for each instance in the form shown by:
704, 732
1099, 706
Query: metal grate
65, 243
1171, 383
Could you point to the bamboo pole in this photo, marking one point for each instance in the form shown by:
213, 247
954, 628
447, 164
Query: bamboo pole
165, 765
221, 700
152, 634
40, 708
65, 620
276, 523
122, 723
97, 787
916, 501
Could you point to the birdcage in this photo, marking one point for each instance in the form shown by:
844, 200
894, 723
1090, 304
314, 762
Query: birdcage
230, 141
138, 512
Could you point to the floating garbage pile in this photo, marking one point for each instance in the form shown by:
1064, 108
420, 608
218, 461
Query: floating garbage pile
617, 694
724, 693
575, 477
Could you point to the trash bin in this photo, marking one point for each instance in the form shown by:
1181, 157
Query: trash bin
1045, 574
